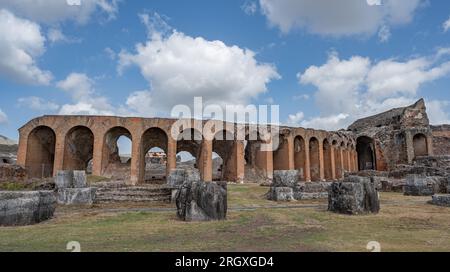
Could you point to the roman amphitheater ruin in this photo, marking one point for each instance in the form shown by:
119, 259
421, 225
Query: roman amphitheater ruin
397, 150
51, 143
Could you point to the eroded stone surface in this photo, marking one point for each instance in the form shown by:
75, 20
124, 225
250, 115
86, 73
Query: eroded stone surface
417, 185
441, 200
355, 195
202, 201
76, 196
26, 208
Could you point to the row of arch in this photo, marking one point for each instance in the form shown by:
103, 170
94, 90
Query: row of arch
316, 157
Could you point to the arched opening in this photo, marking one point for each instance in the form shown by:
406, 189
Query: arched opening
300, 156
78, 148
255, 158
40, 152
314, 157
338, 160
217, 167
117, 154
281, 153
420, 145
365, 147
328, 172
5, 161
222, 156
185, 160
154, 155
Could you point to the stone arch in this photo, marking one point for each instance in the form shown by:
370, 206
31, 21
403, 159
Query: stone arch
113, 165
78, 148
365, 147
300, 156
420, 145
154, 143
281, 153
327, 160
256, 168
222, 146
40, 156
314, 157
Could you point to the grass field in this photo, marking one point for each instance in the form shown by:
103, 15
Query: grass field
404, 224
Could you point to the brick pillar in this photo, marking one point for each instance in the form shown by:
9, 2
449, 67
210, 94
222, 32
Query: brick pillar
321, 162
290, 147
333, 163
341, 150
59, 154
22, 151
236, 162
137, 161
349, 160
307, 169
171, 155
98, 156
205, 162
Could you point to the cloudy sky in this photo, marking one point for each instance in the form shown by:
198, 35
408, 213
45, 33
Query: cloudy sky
325, 62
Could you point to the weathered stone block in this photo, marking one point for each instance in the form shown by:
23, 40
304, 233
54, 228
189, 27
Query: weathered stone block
285, 178
176, 177
76, 196
441, 200
418, 185
202, 201
64, 179
26, 208
355, 195
281, 194
79, 179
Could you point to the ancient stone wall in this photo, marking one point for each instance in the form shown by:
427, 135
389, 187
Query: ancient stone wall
441, 140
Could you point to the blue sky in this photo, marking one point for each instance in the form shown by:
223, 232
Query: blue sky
326, 63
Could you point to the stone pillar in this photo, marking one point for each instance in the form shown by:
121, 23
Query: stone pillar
137, 161
307, 169
98, 157
321, 162
205, 161
171, 155
333, 163
59, 154
430, 147
409, 147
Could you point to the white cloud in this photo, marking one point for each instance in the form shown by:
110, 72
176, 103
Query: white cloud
446, 25
358, 87
301, 97
295, 119
37, 104
55, 11
86, 100
140, 102
337, 18
21, 43
438, 112
384, 34
249, 7
110, 53
3, 117
179, 67
55, 35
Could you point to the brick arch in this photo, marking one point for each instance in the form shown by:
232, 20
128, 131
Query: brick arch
40, 157
78, 148
420, 145
327, 159
300, 159
314, 158
110, 149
